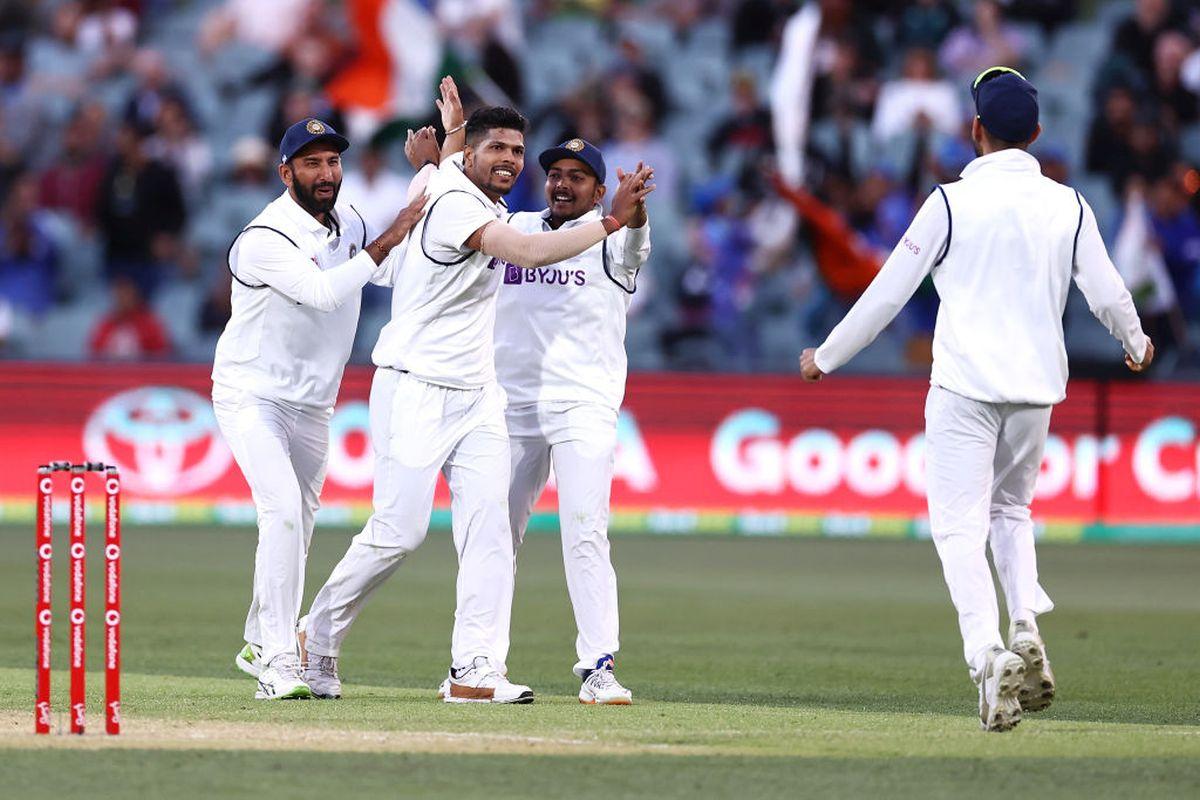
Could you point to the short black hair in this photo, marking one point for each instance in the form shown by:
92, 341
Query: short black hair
485, 119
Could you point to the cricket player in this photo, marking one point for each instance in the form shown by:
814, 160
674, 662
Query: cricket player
560, 357
298, 268
1002, 244
436, 407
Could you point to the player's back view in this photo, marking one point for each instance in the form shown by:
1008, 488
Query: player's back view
1002, 245
1012, 236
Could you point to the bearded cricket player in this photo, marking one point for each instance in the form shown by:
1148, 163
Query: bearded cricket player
298, 269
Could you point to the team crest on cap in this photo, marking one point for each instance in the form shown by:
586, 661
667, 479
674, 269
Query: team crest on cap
314, 127
575, 145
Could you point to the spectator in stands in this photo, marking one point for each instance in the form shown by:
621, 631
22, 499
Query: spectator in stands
179, 145
721, 244
1171, 49
1109, 151
988, 41
107, 33
247, 188
154, 88
918, 100
1138, 256
745, 136
757, 23
582, 112
1152, 153
487, 33
1054, 161
378, 193
106, 24
1135, 36
28, 255
1049, 14
243, 21
297, 103
72, 182
926, 23
882, 208
948, 160
141, 213
130, 331
848, 85
22, 109
637, 140
1177, 229
217, 306
634, 75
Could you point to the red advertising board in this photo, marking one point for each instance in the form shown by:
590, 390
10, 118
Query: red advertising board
763, 453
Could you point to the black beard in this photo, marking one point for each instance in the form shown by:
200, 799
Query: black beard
307, 198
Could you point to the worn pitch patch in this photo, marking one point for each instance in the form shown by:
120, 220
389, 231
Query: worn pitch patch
158, 734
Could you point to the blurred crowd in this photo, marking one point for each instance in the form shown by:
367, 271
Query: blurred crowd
140, 136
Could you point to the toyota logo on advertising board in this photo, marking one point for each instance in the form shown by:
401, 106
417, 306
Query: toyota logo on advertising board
163, 439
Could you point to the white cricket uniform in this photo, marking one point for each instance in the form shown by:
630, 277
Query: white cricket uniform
435, 407
1003, 244
560, 356
276, 375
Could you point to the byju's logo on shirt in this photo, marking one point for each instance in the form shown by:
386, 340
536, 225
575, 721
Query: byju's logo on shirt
549, 276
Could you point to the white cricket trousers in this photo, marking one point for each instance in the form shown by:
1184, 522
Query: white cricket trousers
282, 451
580, 440
419, 429
981, 467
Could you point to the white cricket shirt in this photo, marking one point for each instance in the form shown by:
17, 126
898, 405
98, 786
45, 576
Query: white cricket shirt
1003, 244
288, 337
560, 330
444, 301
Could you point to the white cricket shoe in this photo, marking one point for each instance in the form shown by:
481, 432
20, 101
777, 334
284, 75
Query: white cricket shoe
281, 680
249, 660
600, 686
444, 689
483, 683
999, 708
321, 675
1037, 690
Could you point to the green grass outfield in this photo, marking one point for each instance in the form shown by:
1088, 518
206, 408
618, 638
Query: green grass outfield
760, 668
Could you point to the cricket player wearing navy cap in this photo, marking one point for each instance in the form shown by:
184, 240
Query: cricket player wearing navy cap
560, 356
298, 269
1002, 244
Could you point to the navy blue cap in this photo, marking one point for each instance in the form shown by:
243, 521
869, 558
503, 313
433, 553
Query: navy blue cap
1006, 103
307, 131
579, 150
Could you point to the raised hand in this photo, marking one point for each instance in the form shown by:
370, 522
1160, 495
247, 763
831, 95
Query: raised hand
449, 105
640, 217
632, 190
421, 147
